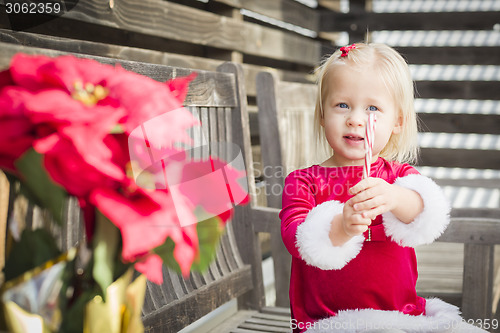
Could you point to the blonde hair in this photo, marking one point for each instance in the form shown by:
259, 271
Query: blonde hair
395, 74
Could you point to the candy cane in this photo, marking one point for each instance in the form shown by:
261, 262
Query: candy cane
369, 138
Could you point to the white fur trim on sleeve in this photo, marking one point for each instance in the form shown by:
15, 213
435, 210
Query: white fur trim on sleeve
313, 241
429, 224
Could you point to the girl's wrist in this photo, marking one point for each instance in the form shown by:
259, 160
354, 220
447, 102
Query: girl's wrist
408, 206
338, 235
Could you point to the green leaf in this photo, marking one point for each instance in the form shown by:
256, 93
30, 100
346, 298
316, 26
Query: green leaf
105, 242
117, 129
34, 248
209, 232
38, 186
166, 253
72, 320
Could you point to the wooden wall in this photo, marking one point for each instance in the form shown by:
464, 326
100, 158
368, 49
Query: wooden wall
198, 34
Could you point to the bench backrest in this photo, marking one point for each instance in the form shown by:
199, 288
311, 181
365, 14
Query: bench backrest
477, 228
219, 99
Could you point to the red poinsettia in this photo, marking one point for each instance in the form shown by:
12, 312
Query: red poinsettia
99, 128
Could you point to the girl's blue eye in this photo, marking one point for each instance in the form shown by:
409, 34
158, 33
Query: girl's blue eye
343, 106
373, 108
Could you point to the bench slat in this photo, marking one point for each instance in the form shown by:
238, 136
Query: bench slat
478, 281
208, 88
274, 317
472, 231
276, 310
178, 314
264, 328
268, 322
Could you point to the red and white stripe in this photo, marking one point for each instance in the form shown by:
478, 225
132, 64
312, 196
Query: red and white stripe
369, 138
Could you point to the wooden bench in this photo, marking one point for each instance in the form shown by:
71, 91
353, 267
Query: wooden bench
285, 114
220, 101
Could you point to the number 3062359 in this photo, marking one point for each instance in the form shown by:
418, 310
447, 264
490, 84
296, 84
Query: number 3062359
33, 8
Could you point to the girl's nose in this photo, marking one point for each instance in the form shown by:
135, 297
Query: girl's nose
356, 118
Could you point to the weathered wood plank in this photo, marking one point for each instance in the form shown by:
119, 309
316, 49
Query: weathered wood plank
472, 230
284, 10
276, 310
294, 95
459, 123
460, 158
169, 20
478, 281
369, 21
208, 88
458, 90
270, 132
474, 183
73, 46
486, 55
107, 50
483, 213
244, 232
268, 322
264, 328
180, 313
268, 127
265, 218
274, 317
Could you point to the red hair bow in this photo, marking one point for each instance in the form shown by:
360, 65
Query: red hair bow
345, 50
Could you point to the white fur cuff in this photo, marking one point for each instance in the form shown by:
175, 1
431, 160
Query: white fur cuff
313, 241
429, 224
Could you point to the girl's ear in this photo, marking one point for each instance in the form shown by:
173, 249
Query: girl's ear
322, 121
398, 126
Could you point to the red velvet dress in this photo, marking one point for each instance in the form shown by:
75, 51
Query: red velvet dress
383, 274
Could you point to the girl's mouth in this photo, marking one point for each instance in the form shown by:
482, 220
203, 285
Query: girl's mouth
354, 138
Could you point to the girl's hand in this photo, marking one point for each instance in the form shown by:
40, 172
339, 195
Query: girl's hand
354, 222
347, 225
373, 196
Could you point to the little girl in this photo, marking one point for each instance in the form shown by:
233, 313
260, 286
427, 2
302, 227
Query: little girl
351, 240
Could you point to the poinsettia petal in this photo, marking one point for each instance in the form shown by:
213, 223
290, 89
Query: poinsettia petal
64, 71
5, 79
180, 86
46, 143
185, 251
11, 101
67, 168
152, 100
25, 68
213, 185
144, 219
151, 266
